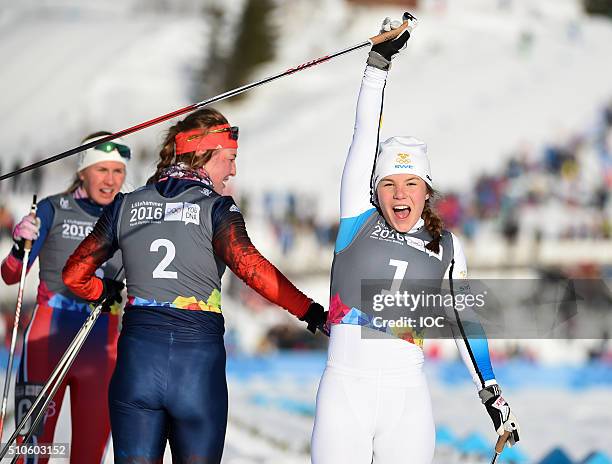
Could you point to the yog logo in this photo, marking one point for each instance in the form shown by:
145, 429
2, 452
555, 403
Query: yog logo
183, 211
402, 160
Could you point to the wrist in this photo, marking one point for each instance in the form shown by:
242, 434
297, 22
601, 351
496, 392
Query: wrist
314, 317
310, 312
18, 250
102, 294
376, 60
490, 392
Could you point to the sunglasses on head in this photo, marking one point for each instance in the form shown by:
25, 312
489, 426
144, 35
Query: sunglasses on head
107, 147
233, 132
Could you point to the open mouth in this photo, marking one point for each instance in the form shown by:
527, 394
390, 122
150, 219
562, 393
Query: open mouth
401, 211
106, 191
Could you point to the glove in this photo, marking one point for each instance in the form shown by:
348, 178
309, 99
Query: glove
499, 410
27, 229
316, 317
111, 294
381, 54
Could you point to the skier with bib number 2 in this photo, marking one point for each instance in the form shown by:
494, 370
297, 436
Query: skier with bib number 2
177, 234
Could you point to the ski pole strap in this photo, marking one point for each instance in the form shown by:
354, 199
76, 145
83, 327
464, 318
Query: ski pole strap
28, 243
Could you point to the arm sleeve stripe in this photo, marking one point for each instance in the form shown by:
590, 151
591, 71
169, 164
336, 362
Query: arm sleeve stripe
460, 325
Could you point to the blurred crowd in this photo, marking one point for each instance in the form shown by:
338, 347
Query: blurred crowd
291, 215
6, 222
562, 192
27, 182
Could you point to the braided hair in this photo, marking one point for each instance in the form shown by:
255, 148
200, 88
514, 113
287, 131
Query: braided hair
201, 119
433, 222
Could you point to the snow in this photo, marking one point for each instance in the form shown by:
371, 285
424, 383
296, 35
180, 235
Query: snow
470, 84
463, 85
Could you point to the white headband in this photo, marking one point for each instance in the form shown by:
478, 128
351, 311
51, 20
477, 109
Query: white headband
401, 155
93, 156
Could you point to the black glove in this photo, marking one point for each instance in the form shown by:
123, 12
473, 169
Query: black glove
111, 294
499, 410
381, 54
316, 317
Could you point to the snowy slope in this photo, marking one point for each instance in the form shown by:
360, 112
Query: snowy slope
85, 69
463, 86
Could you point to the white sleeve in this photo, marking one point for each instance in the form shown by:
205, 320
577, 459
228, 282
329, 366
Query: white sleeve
355, 187
458, 264
468, 332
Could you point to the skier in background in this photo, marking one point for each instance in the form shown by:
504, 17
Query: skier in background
61, 223
373, 403
177, 234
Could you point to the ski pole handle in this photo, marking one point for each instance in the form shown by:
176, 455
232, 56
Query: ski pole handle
501, 442
28, 243
389, 35
499, 446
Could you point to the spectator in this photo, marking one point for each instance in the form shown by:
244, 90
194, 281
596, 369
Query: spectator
6, 222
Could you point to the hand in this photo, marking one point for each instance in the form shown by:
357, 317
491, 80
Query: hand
499, 410
316, 317
381, 54
111, 294
27, 229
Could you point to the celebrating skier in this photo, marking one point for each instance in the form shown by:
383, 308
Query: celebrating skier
373, 402
61, 223
177, 234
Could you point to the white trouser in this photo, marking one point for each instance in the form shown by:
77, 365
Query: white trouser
373, 404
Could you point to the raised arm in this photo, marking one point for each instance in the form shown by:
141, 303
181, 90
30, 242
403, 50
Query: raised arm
355, 186
355, 190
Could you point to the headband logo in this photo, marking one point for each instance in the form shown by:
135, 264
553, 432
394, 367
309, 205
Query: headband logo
402, 158
402, 161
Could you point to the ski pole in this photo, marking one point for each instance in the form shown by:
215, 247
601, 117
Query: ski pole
56, 378
385, 36
9, 367
60, 378
499, 446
